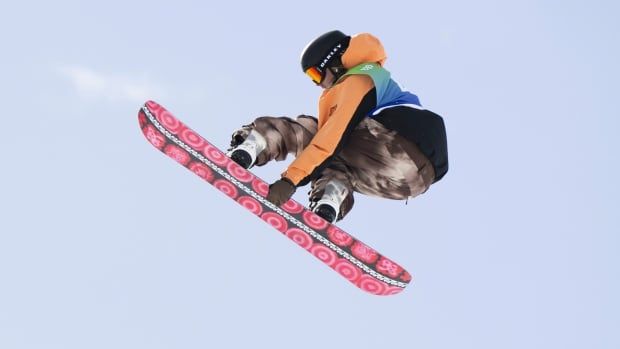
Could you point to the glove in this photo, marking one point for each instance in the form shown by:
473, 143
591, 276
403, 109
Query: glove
280, 191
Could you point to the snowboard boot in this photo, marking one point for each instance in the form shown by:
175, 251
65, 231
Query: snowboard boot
245, 154
328, 207
326, 212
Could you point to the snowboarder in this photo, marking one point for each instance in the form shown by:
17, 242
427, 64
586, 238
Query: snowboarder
371, 136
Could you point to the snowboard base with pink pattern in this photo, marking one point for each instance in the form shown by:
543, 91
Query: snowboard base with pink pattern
349, 257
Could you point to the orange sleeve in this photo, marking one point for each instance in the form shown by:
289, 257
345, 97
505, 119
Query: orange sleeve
349, 102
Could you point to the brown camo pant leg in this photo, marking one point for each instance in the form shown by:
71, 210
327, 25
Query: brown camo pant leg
377, 162
283, 135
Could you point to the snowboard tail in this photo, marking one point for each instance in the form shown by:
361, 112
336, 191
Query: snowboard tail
349, 257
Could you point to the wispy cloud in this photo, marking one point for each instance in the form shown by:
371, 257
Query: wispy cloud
90, 84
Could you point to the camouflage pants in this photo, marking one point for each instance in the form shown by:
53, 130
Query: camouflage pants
375, 161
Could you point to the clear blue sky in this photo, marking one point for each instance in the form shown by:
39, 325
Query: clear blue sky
106, 243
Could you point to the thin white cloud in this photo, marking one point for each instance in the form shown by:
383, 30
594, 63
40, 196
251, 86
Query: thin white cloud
90, 84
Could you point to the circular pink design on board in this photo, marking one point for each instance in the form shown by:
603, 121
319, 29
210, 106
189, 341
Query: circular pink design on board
154, 136
347, 269
324, 253
314, 221
364, 253
202, 171
239, 172
339, 237
251, 204
260, 187
192, 139
300, 237
169, 122
372, 285
275, 221
178, 154
387, 267
292, 206
226, 188
215, 155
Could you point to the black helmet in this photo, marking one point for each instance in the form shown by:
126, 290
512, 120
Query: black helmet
320, 54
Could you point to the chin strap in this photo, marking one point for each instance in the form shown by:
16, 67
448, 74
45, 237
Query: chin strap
338, 72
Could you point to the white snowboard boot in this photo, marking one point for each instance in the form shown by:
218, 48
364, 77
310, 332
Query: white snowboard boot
328, 207
245, 154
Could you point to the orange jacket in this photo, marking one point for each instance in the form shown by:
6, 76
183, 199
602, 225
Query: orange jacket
341, 108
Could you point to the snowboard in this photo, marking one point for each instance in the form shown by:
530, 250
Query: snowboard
352, 259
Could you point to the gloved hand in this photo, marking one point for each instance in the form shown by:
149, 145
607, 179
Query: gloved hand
280, 191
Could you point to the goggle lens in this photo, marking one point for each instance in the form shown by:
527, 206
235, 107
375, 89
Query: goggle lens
314, 74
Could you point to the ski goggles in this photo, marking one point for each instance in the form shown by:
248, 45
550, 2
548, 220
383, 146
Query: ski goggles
315, 75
